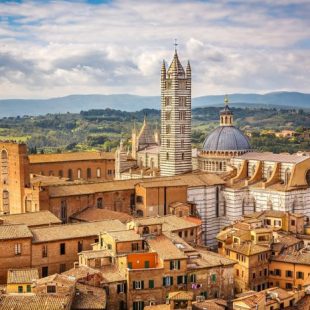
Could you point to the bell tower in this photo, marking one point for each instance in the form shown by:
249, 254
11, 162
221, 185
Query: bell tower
176, 114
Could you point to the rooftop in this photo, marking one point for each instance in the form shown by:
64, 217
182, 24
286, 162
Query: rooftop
247, 248
57, 278
80, 272
76, 230
14, 231
91, 254
31, 218
267, 156
34, 302
165, 248
210, 304
301, 257
24, 275
92, 214
124, 235
73, 156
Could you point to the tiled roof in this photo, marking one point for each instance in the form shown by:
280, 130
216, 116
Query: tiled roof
25, 275
80, 272
31, 218
34, 302
266, 156
124, 235
247, 248
91, 214
211, 304
165, 248
73, 156
301, 258
15, 231
181, 295
57, 278
96, 254
89, 297
72, 231
112, 274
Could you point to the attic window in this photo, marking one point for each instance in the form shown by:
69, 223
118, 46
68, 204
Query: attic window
50, 289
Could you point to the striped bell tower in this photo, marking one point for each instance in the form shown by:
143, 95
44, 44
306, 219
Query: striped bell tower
176, 114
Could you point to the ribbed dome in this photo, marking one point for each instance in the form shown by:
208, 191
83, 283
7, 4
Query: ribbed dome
226, 138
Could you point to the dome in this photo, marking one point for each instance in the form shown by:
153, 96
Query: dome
226, 138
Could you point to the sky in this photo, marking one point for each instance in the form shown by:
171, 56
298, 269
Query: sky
57, 48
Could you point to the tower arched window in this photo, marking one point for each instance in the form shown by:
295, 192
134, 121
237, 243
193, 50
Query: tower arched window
168, 129
4, 166
100, 202
183, 156
98, 173
63, 211
168, 142
5, 202
79, 173
287, 176
168, 116
269, 172
167, 156
88, 173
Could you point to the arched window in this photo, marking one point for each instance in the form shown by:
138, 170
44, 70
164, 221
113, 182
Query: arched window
168, 129
168, 143
269, 205
308, 177
88, 173
70, 174
98, 173
287, 176
79, 173
253, 170
5, 202
60, 173
4, 166
100, 203
63, 211
152, 163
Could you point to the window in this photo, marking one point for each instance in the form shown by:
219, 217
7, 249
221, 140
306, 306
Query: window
293, 222
98, 173
265, 272
20, 289
62, 248
182, 115
44, 272
151, 284
120, 288
5, 202
62, 268
129, 265
99, 203
192, 232
181, 280
213, 278
51, 289
63, 211
288, 286
79, 173
135, 246
299, 275
168, 143
44, 250
88, 173
167, 281
182, 101
18, 249
28, 288
146, 264
138, 285
168, 116
175, 265
168, 129
192, 278
80, 246
60, 173
237, 272
167, 101
182, 143
167, 156
138, 305
139, 199
289, 274
277, 272
182, 129
70, 174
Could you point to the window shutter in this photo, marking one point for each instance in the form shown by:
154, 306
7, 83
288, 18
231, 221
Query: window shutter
142, 284
118, 288
179, 264
185, 279
179, 279
125, 287
134, 284
164, 281
171, 280
171, 265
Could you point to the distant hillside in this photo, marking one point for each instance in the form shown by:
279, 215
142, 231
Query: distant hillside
130, 103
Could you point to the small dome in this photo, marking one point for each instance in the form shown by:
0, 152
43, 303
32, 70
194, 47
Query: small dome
226, 138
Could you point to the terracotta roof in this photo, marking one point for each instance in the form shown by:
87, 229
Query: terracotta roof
300, 258
91, 254
266, 156
25, 275
89, 297
158, 307
210, 304
31, 218
165, 248
181, 295
247, 248
81, 272
72, 231
112, 274
92, 214
57, 278
45, 180
124, 235
73, 156
169, 222
34, 302
15, 231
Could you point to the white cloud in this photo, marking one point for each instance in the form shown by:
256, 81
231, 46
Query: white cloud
57, 48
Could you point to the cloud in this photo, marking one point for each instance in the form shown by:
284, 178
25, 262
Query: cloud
55, 48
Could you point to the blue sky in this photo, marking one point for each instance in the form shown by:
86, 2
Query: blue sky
56, 48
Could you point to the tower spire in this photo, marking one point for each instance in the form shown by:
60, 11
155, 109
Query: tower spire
175, 45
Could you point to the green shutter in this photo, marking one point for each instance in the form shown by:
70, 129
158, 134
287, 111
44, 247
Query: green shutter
28, 288
213, 278
146, 264
142, 284
151, 283
164, 281
129, 265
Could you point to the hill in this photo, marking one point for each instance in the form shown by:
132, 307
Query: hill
131, 103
